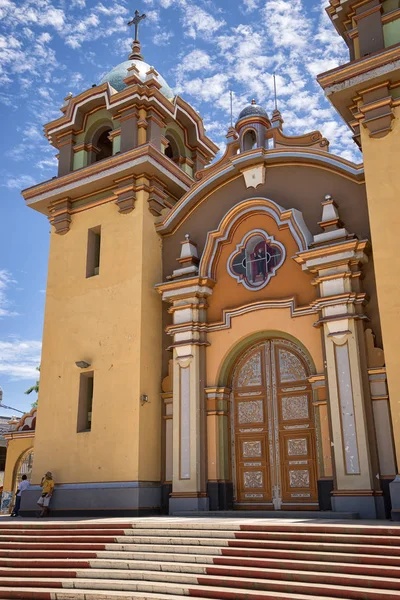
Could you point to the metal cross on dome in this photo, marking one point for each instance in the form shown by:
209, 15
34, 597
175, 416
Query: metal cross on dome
135, 21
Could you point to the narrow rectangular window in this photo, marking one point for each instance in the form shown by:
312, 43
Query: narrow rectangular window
85, 402
93, 252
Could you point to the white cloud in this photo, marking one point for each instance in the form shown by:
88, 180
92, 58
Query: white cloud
6, 281
207, 89
47, 163
250, 5
162, 37
196, 60
18, 182
19, 358
286, 24
198, 21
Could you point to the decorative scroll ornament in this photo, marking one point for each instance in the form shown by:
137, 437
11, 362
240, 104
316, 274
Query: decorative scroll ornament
256, 259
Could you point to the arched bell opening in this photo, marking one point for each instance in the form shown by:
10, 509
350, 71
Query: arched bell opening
104, 146
172, 149
249, 140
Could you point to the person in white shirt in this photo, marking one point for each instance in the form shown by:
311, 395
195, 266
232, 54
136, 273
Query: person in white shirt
22, 486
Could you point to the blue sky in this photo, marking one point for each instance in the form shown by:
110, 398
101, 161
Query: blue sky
203, 49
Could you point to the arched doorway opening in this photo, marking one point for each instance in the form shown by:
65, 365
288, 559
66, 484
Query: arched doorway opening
273, 429
23, 467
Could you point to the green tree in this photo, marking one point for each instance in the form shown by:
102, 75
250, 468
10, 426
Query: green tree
34, 388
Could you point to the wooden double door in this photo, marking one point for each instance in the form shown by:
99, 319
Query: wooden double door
273, 431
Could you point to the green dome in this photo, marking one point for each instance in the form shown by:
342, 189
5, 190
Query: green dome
117, 75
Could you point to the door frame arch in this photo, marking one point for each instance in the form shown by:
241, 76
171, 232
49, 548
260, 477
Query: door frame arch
236, 352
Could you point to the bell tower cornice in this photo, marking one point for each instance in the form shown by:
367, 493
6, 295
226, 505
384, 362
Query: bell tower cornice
366, 90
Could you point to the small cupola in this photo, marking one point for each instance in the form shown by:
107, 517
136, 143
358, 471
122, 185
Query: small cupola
252, 126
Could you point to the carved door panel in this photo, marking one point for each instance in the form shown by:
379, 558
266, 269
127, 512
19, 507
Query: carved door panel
273, 429
296, 427
253, 482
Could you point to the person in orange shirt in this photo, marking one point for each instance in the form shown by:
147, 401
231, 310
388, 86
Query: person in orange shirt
47, 485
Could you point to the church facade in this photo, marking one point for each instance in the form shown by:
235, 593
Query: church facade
222, 335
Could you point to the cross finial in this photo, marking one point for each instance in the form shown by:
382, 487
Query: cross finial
135, 21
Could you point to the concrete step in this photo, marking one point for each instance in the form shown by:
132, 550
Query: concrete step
180, 564
24, 527
131, 544
46, 593
269, 514
177, 573
224, 560
162, 527
130, 536
204, 554
208, 585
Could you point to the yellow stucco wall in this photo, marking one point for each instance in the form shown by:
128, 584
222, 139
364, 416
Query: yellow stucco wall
16, 448
381, 163
113, 321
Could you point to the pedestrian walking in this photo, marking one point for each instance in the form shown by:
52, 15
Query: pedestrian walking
23, 485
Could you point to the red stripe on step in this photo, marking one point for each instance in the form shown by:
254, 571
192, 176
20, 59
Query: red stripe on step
58, 540
305, 577
60, 533
30, 583
309, 537
50, 554
28, 573
55, 547
20, 595
327, 547
363, 559
300, 564
36, 564
351, 531
224, 594
42, 526
292, 587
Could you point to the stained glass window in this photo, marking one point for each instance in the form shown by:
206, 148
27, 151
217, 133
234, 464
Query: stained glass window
256, 260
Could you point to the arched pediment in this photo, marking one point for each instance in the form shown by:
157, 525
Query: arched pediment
291, 219
231, 167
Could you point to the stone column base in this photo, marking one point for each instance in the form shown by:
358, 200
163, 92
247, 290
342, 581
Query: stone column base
181, 503
394, 487
367, 506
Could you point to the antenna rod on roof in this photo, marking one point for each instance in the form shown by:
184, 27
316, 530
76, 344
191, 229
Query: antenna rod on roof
276, 103
8, 407
231, 94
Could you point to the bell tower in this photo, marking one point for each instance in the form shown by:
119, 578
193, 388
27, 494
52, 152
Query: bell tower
366, 93
128, 149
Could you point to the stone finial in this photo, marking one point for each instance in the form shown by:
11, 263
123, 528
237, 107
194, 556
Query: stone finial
232, 135
330, 223
189, 259
276, 119
67, 100
330, 214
